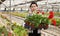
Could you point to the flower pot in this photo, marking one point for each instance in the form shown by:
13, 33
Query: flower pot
32, 27
27, 23
40, 26
27, 26
45, 26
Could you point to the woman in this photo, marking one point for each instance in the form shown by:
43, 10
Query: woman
33, 8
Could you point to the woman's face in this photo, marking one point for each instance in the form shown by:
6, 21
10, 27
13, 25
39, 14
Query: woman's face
33, 7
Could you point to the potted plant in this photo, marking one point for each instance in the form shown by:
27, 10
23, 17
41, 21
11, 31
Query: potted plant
33, 21
45, 22
38, 21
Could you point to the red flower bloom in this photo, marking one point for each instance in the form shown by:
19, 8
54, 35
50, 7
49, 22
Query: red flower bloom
54, 22
43, 13
38, 12
51, 15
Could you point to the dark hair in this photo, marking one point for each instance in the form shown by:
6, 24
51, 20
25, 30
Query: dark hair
33, 3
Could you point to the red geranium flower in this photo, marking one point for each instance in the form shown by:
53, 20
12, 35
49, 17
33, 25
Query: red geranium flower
38, 12
43, 13
51, 15
54, 22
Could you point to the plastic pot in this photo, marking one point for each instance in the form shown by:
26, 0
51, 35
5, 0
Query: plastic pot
40, 26
27, 23
27, 26
32, 27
